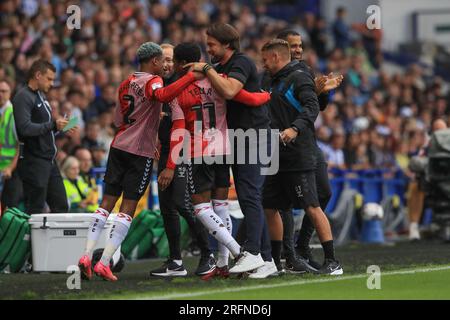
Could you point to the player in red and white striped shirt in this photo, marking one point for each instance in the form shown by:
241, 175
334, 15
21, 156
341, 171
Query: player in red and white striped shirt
132, 151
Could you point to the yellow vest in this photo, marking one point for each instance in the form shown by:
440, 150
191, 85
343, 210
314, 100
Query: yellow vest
8, 139
74, 197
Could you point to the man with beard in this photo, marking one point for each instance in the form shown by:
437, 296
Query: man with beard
324, 84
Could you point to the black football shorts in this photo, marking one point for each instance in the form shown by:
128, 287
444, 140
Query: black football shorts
127, 173
286, 190
204, 177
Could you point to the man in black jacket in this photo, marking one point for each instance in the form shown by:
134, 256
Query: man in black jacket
294, 108
324, 87
36, 129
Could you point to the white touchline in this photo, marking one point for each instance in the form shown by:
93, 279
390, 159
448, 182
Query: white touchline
288, 284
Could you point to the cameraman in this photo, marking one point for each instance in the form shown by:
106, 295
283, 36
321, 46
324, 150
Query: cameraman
416, 196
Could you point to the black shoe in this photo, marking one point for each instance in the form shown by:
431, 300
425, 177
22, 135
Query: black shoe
298, 265
281, 270
308, 257
331, 267
205, 265
169, 269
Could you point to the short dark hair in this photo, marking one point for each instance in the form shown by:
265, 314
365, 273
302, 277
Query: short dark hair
40, 66
282, 46
73, 92
187, 51
286, 33
341, 10
225, 34
78, 148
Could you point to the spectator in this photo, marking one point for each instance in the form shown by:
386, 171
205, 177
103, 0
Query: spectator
6, 59
98, 156
11, 192
341, 29
335, 154
92, 134
75, 97
107, 130
81, 197
84, 157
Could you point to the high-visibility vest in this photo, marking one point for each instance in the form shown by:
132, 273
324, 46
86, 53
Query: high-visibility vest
74, 197
8, 139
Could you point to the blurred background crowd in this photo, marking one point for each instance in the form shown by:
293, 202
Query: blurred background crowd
378, 118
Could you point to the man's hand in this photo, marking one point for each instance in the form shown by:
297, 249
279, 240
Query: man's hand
7, 173
333, 82
83, 204
165, 178
327, 83
197, 68
288, 135
61, 123
158, 150
320, 83
73, 131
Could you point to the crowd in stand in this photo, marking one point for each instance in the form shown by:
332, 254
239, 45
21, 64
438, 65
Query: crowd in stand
376, 118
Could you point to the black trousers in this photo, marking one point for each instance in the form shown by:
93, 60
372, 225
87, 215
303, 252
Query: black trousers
42, 182
175, 201
12, 192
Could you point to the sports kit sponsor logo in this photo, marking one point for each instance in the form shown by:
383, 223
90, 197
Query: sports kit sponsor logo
181, 172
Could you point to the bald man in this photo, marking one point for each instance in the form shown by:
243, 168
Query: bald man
438, 124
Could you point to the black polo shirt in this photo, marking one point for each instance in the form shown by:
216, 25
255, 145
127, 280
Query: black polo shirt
240, 116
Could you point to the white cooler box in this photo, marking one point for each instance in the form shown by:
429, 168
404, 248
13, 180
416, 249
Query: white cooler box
58, 239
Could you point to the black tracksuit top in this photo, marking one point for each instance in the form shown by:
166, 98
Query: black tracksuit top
34, 124
294, 102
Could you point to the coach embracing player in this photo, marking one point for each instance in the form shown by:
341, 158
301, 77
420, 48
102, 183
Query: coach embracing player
223, 45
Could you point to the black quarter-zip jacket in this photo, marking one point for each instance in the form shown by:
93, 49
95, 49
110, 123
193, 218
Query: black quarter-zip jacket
34, 124
294, 102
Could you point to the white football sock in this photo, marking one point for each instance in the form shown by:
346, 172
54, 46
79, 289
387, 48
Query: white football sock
216, 227
221, 209
95, 229
118, 233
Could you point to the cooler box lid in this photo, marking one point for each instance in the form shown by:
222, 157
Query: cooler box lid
60, 220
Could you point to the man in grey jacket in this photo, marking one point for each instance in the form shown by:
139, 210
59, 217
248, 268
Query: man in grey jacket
36, 129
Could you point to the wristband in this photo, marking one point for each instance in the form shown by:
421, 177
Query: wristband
206, 68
